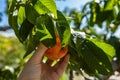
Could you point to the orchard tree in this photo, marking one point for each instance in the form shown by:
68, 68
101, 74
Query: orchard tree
39, 21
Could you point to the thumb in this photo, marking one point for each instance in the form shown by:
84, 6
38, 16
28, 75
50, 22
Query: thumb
38, 54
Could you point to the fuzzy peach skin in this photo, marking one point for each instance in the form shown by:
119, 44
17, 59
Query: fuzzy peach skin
56, 52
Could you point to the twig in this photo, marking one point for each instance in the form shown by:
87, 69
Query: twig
71, 75
5, 28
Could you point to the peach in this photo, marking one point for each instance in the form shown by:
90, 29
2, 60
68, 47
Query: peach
56, 52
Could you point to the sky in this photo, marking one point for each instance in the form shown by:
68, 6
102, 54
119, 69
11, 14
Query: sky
2, 10
61, 4
71, 4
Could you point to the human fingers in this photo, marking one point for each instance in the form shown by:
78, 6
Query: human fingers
49, 62
38, 55
61, 66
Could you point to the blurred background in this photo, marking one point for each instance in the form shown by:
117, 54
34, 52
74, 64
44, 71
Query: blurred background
105, 27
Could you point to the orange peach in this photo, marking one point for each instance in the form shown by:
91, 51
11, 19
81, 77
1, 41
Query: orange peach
56, 52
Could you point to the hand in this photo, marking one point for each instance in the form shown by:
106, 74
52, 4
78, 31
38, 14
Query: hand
35, 69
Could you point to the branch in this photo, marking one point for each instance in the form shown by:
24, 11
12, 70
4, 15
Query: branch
71, 75
5, 28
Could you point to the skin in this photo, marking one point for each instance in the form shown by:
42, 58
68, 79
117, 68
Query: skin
35, 69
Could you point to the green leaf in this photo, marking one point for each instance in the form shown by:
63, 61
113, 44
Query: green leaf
109, 5
11, 7
96, 58
63, 29
33, 1
25, 30
118, 16
45, 30
13, 24
21, 15
31, 13
31, 44
114, 41
77, 38
77, 61
46, 6
105, 15
95, 9
89, 54
107, 48
13, 16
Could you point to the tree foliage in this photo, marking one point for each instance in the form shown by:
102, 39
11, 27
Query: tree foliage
37, 21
